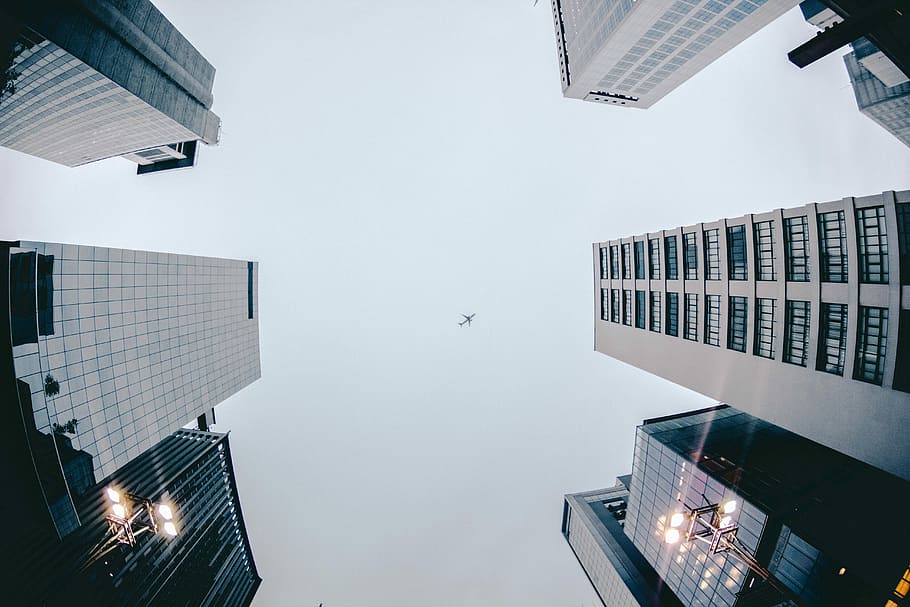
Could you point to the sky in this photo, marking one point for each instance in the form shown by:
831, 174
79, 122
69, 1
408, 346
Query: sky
392, 166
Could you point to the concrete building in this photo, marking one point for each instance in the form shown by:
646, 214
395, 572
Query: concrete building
799, 316
108, 351
632, 53
592, 523
781, 518
85, 80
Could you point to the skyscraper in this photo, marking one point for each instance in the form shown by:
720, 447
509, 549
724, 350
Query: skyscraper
732, 510
91, 79
797, 316
630, 53
108, 351
187, 542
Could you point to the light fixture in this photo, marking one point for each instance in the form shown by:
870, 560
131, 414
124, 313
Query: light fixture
842, 571
113, 495
170, 528
730, 507
119, 510
725, 522
677, 519
671, 536
165, 511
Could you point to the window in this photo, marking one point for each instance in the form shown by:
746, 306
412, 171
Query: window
639, 260
604, 263
627, 307
604, 304
639, 309
614, 305
736, 252
712, 255
712, 320
626, 260
832, 338
903, 239
614, 262
655, 311
654, 255
690, 262
871, 344
902, 362
873, 245
249, 289
832, 241
673, 314
22, 302
672, 267
764, 327
691, 325
796, 332
45, 294
796, 242
763, 231
737, 328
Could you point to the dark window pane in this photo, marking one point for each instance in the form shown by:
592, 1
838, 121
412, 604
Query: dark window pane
903, 239
604, 304
690, 261
604, 263
736, 252
639, 260
22, 298
764, 327
672, 267
614, 262
763, 232
654, 255
871, 344
614, 305
796, 332
627, 307
832, 241
639, 309
626, 260
712, 320
832, 338
902, 364
655, 311
249, 289
691, 324
712, 255
873, 245
796, 240
673, 314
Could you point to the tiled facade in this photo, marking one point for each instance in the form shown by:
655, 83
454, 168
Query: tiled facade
796, 315
623, 52
139, 343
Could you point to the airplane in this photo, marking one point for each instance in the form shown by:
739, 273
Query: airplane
467, 319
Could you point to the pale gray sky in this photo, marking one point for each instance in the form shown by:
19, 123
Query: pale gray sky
392, 165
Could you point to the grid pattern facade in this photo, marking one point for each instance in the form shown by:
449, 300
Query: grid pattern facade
871, 346
887, 106
621, 52
655, 311
142, 344
66, 112
793, 310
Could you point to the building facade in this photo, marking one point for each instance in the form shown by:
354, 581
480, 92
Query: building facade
108, 351
800, 316
92, 79
592, 523
628, 53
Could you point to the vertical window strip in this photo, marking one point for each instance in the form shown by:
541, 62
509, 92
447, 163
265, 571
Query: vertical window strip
627, 307
712, 320
832, 338
672, 264
249, 297
873, 245
737, 328
626, 261
736, 252
832, 240
871, 344
691, 324
764, 250
673, 314
639, 260
654, 255
690, 262
639, 309
655, 311
614, 305
712, 255
604, 263
902, 210
796, 332
796, 241
604, 304
765, 313
614, 262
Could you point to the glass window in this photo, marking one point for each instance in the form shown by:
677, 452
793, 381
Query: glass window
604, 263
712, 320
796, 332
673, 314
737, 326
249, 289
604, 304
764, 327
763, 232
736, 252
45, 294
832, 241
672, 267
654, 255
903, 239
871, 343
614, 261
655, 311
22, 301
712, 255
626, 260
902, 363
627, 307
873, 245
639, 260
796, 242
690, 262
832, 338
639, 309
691, 324
614, 305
